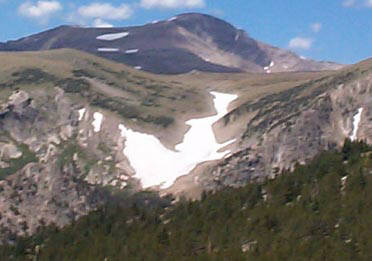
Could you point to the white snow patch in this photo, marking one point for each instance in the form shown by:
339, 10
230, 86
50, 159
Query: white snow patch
267, 68
343, 183
155, 22
237, 36
81, 113
131, 51
108, 49
112, 37
123, 185
97, 122
156, 165
172, 19
303, 57
356, 121
138, 67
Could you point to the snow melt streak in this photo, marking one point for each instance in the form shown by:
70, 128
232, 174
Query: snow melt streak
172, 19
112, 37
131, 51
156, 165
356, 121
108, 49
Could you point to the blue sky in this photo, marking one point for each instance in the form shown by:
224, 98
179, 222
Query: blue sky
335, 30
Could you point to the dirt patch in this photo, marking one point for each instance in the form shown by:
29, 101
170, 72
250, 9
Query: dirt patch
188, 185
106, 89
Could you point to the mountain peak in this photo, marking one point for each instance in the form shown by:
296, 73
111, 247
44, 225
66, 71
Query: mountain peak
183, 43
198, 16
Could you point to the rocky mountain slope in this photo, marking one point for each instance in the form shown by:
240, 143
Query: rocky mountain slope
324, 205
55, 154
178, 45
277, 131
61, 148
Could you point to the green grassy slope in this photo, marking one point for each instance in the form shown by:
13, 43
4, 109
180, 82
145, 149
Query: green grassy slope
146, 102
115, 87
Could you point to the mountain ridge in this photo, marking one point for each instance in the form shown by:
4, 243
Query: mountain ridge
186, 42
54, 160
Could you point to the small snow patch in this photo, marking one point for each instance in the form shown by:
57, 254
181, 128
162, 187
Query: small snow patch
249, 246
267, 68
237, 36
172, 19
112, 37
138, 67
97, 122
123, 185
131, 51
356, 122
81, 113
108, 49
155, 22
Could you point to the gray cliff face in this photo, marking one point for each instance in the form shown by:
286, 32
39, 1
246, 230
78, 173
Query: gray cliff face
293, 126
52, 164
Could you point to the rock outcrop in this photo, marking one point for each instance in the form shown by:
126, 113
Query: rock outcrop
53, 163
292, 127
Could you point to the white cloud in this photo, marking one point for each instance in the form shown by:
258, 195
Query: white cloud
301, 43
101, 23
172, 3
348, 3
106, 11
41, 9
76, 19
357, 3
316, 27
